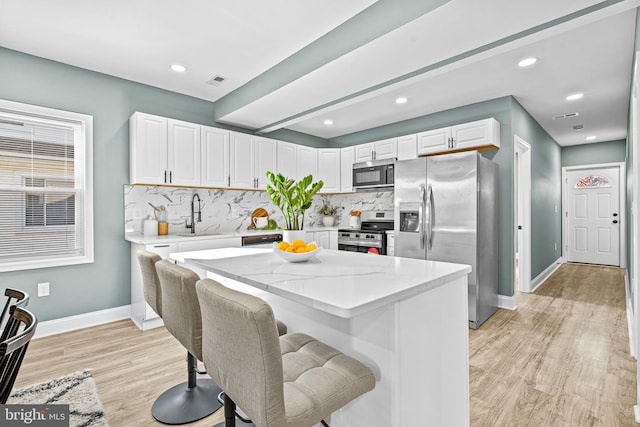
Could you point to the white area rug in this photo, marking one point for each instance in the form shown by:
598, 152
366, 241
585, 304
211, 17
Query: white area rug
78, 390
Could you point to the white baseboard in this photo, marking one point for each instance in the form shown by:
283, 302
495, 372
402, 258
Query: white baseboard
540, 278
508, 303
636, 412
80, 321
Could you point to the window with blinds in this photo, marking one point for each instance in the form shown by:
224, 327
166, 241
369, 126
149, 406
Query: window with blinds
45, 187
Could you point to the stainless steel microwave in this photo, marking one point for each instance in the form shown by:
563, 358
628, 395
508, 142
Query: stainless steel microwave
373, 173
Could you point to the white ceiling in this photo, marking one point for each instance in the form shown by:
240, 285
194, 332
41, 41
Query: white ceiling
460, 53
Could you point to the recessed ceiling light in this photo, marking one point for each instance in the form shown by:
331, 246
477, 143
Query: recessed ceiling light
328, 122
178, 68
590, 138
401, 100
574, 96
527, 62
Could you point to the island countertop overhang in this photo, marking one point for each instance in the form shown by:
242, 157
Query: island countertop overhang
344, 284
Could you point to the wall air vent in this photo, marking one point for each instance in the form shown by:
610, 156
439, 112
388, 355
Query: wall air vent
578, 128
565, 116
216, 80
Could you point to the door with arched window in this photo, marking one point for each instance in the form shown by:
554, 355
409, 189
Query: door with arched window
593, 215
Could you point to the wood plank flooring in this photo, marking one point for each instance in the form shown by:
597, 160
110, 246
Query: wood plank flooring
561, 359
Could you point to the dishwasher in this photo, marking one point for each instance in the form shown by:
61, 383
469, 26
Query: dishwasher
261, 240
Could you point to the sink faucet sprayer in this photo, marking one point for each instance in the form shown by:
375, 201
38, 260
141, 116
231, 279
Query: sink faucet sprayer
192, 226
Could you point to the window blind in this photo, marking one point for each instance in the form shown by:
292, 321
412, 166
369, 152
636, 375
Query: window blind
42, 191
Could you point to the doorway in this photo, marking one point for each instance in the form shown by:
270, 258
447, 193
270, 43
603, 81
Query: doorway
594, 214
522, 214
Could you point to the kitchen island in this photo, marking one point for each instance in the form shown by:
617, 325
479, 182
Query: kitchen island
404, 318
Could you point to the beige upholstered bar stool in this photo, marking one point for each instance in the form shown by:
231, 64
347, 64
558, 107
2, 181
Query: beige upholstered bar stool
288, 381
197, 398
150, 282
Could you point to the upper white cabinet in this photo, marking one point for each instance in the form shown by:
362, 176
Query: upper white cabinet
329, 169
347, 159
214, 144
306, 162
163, 151
266, 155
287, 159
384, 149
473, 135
407, 147
251, 157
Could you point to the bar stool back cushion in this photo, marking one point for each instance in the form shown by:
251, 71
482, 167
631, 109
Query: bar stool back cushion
150, 281
180, 305
291, 381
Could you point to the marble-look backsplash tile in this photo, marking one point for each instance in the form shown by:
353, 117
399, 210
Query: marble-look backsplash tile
230, 210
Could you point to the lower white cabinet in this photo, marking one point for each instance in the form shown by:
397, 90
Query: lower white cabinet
141, 313
326, 239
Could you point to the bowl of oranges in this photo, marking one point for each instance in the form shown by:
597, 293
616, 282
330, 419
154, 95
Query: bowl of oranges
296, 251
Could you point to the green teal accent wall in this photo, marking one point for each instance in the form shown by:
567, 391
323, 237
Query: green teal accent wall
546, 190
297, 137
591, 154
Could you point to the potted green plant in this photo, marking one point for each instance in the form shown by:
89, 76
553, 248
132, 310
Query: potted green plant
293, 199
328, 213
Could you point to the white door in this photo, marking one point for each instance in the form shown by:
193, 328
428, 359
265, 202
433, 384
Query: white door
307, 162
184, 153
242, 160
364, 152
434, 141
287, 159
215, 157
385, 149
329, 169
266, 152
347, 158
593, 215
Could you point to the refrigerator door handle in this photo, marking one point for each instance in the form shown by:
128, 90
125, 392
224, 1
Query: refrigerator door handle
422, 214
430, 229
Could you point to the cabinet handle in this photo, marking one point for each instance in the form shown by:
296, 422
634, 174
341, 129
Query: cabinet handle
170, 177
160, 246
229, 181
165, 177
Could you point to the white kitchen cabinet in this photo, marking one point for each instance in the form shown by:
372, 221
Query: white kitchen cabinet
287, 159
306, 162
141, 313
215, 157
347, 159
333, 239
480, 134
242, 160
384, 149
407, 147
329, 169
250, 158
322, 239
266, 155
163, 151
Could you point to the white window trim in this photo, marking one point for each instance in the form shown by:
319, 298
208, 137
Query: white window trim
85, 152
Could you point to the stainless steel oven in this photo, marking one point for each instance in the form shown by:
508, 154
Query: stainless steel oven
371, 237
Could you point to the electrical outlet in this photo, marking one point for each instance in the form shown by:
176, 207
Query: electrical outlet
43, 289
556, 208
555, 246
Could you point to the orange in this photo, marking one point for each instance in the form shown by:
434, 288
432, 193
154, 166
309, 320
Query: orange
311, 247
290, 249
282, 246
297, 244
302, 249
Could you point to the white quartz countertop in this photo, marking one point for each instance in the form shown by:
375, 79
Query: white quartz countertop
342, 283
184, 237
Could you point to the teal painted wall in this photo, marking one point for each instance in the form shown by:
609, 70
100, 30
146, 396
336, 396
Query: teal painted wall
590, 154
546, 190
110, 100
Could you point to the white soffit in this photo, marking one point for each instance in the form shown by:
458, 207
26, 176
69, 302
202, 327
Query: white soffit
452, 29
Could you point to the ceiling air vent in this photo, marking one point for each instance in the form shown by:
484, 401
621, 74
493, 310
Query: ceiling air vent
578, 128
565, 116
216, 80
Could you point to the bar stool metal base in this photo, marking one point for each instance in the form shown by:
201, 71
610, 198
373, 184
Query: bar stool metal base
181, 404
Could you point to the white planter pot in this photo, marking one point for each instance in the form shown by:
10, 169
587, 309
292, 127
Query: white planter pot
328, 221
291, 235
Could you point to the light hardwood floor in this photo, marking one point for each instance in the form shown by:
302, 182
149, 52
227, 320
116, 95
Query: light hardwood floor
561, 359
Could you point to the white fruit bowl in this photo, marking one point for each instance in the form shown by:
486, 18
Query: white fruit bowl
294, 257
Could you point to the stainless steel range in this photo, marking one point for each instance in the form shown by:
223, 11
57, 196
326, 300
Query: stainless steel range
371, 237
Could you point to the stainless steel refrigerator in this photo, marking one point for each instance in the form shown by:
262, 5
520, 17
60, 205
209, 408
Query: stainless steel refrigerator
446, 209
